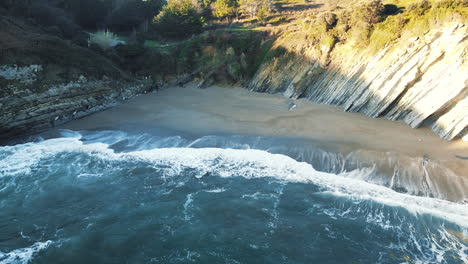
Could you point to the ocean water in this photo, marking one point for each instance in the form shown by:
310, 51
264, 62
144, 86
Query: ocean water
115, 197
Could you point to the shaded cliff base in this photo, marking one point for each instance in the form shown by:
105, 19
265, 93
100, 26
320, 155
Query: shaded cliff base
415, 156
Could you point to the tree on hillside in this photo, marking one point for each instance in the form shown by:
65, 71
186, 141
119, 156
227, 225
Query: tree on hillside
263, 12
363, 19
252, 8
179, 19
72, 16
114, 14
249, 7
87, 13
370, 12
130, 14
225, 8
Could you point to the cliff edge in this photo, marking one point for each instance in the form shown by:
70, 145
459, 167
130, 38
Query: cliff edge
411, 66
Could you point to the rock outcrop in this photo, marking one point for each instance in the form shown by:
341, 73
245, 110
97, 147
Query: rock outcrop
46, 81
421, 80
25, 112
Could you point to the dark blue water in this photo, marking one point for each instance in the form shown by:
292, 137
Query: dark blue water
107, 197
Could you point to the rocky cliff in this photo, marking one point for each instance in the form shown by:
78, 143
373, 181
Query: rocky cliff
26, 110
46, 81
421, 80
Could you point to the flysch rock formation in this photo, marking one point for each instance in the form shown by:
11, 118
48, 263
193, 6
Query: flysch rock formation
26, 110
421, 80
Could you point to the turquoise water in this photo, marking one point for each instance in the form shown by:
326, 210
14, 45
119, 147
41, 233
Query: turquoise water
112, 197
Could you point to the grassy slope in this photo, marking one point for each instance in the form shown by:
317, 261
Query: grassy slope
236, 51
23, 43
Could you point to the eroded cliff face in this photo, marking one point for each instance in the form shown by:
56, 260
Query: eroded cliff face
421, 80
26, 109
46, 81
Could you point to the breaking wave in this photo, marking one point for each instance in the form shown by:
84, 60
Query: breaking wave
421, 227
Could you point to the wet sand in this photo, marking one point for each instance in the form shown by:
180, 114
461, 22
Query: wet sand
228, 110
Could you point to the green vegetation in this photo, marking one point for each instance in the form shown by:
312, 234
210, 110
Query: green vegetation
373, 24
231, 38
417, 18
153, 44
133, 14
179, 19
256, 8
263, 12
387, 31
223, 56
225, 8
104, 39
72, 16
328, 41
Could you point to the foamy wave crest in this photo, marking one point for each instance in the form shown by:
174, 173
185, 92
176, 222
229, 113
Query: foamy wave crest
23, 255
258, 164
420, 176
247, 163
20, 159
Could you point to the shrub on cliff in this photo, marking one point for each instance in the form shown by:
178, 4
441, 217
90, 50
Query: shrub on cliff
105, 39
263, 12
419, 7
179, 19
89, 14
225, 8
362, 21
454, 4
256, 8
132, 14
53, 17
417, 19
328, 19
422, 17
387, 31
370, 12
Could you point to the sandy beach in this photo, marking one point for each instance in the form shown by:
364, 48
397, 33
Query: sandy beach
233, 110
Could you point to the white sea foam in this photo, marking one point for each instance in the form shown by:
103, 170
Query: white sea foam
247, 163
218, 190
21, 158
23, 255
187, 205
413, 175
257, 163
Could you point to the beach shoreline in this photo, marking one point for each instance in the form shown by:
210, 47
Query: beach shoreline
234, 110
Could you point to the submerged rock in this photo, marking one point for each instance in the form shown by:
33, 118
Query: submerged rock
291, 106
